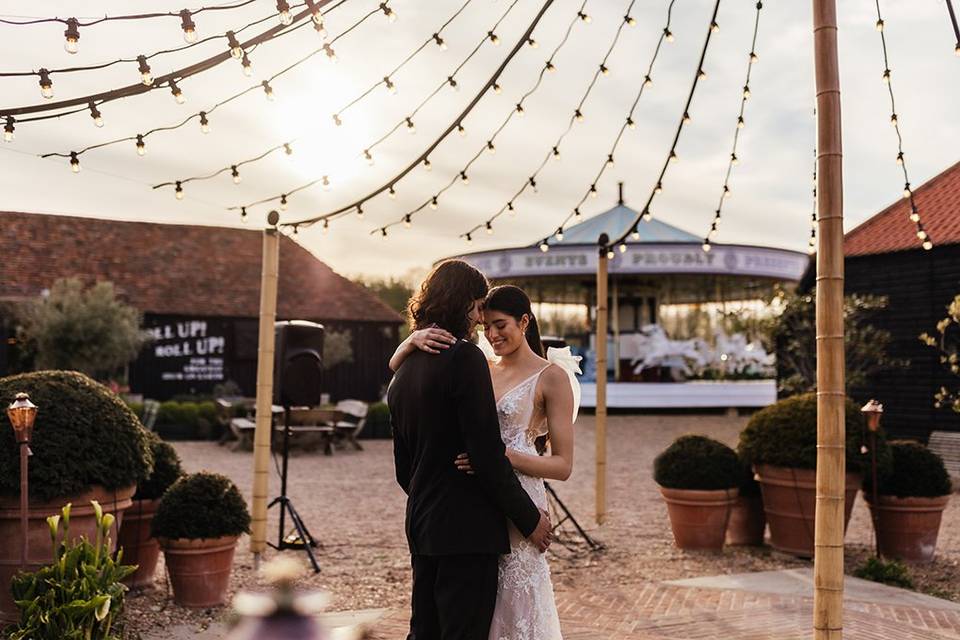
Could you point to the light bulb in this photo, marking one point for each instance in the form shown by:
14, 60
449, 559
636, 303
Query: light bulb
578, 115
243, 215
490, 147
388, 83
668, 35
267, 90
331, 54
288, 150
72, 36
556, 153
914, 217
493, 37
236, 51
734, 159
714, 27
706, 247
188, 26
900, 158
46, 84
630, 20
360, 211
576, 213
236, 174
141, 145
893, 119
453, 83
383, 233
511, 210
8, 130
177, 93
746, 92
631, 124
489, 227
559, 234
726, 191
533, 43
461, 130
549, 66
434, 204
368, 156
283, 11
74, 162
407, 222
635, 234
927, 245
886, 76
389, 12
922, 234
647, 81
337, 120
519, 110
325, 183
956, 50
740, 122
544, 247
283, 202
204, 123
320, 28
754, 58
658, 189
686, 117
701, 74
610, 254
906, 191
178, 191
880, 25
427, 165
440, 42
469, 239
584, 17
326, 226
610, 160
593, 191
246, 66
463, 177
145, 76
392, 193
647, 215
497, 89
622, 247
673, 156
95, 114
604, 70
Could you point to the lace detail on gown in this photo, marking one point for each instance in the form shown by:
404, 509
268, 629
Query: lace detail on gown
525, 608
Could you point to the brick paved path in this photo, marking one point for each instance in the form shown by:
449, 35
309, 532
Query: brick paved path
661, 611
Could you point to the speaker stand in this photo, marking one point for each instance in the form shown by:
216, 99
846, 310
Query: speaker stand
302, 540
559, 507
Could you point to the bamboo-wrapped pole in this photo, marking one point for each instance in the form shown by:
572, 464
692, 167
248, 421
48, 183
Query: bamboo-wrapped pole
269, 275
831, 458
601, 414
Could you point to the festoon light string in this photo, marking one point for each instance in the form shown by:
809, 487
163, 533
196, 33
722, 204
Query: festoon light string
734, 159
357, 205
956, 27
672, 156
922, 235
406, 121
554, 150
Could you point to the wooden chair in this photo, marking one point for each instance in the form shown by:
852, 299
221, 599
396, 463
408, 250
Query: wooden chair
352, 422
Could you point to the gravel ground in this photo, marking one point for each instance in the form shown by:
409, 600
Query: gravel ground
352, 505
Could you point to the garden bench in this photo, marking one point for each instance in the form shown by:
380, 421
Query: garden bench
352, 421
306, 426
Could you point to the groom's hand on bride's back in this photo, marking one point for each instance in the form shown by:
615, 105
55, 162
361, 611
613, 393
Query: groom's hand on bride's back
542, 536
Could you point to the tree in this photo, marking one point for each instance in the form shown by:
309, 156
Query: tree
337, 348
82, 329
395, 292
794, 334
947, 342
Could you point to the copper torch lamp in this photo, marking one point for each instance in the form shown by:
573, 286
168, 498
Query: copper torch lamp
873, 411
22, 414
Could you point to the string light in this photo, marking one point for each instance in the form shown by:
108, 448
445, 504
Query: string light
145, 76
267, 90
236, 51
908, 193
141, 146
494, 38
388, 83
434, 204
235, 173
246, 65
283, 11
243, 215
407, 222
604, 69
463, 177
46, 84
177, 93
668, 35
490, 147
511, 209
533, 43
331, 54
360, 211
453, 83
578, 115
544, 247
410, 126
558, 234
74, 162
72, 36
520, 110
427, 165
440, 42
630, 20
283, 202
550, 67
8, 130
188, 26
497, 89
461, 130
389, 12
204, 123
584, 17
556, 153
489, 228
392, 193
95, 114
178, 191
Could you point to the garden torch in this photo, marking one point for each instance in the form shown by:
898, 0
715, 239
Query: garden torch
22, 414
873, 411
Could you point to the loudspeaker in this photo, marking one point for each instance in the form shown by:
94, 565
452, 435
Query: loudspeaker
298, 363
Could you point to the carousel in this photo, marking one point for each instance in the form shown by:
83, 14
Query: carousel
668, 340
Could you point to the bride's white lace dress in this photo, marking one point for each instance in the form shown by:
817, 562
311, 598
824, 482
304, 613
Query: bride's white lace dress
525, 609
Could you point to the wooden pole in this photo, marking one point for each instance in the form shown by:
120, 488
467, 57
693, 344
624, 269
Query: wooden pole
831, 458
615, 311
601, 443
269, 276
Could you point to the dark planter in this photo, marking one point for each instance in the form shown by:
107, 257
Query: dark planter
199, 569
699, 518
907, 528
748, 521
83, 522
139, 547
789, 501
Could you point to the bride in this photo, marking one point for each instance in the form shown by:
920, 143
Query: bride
535, 403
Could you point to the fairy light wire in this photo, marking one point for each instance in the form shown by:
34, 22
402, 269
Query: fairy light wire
554, 149
922, 235
645, 211
734, 159
400, 123
956, 27
443, 135
137, 16
408, 216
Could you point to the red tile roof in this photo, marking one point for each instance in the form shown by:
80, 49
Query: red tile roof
938, 200
175, 269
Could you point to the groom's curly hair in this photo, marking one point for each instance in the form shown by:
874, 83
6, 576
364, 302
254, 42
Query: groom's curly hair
445, 297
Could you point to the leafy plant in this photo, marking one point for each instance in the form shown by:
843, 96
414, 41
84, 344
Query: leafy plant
697, 462
166, 470
84, 435
892, 572
77, 597
947, 343
915, 472
82, 329
784, 434
794, 334
201, 505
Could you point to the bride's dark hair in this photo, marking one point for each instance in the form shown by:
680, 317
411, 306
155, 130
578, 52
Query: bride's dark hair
514, 302
445, 297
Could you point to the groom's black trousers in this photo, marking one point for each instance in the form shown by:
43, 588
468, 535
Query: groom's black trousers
453, 596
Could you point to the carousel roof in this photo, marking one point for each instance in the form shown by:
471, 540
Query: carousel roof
615, 222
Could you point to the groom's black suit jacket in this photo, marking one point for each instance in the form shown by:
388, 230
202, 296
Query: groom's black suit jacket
440, 406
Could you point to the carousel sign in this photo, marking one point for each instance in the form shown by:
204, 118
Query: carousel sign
643, 259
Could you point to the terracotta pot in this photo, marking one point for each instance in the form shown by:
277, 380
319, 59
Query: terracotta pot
789, 500
747, 522
199, 569
699, 518
907, 528
82, 523
139, 546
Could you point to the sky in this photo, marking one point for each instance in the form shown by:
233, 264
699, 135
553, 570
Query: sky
771, 186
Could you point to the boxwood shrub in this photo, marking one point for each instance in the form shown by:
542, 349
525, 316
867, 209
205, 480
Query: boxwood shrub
84, 435
915, 472
784, 434
697, 462
166, 469
201, 505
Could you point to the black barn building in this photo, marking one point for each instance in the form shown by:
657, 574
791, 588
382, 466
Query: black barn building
199, 291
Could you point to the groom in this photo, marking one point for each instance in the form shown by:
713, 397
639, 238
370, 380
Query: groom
441, 405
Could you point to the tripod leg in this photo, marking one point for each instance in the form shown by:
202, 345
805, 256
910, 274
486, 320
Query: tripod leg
569, 516
301, 527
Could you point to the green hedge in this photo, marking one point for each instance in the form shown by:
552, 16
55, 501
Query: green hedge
697, 462
201, 505
167, 469
84, 435
378, 422
915, 472
195, 418
785, 435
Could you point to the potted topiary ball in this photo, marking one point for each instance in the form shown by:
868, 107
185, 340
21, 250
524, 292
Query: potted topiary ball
912, 495
197, 524
781, 442
698, 479
748, 521
139, 546
87, 446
